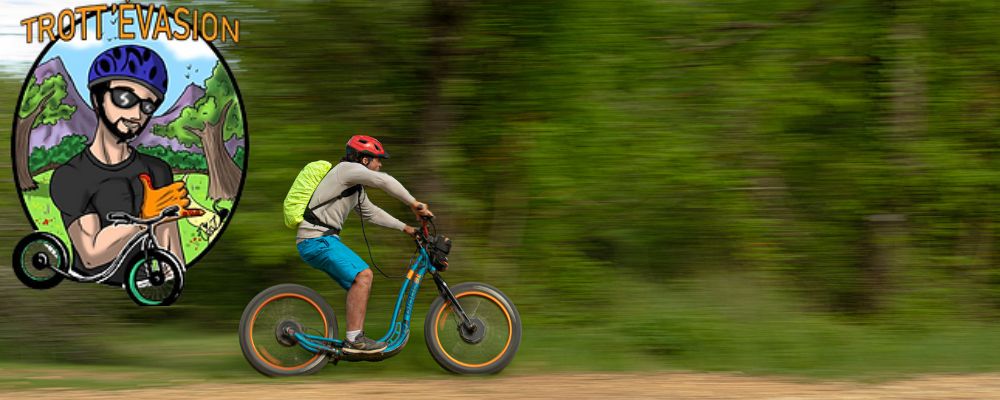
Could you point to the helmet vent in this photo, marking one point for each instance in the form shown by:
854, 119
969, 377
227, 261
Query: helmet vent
130, 62
366, 145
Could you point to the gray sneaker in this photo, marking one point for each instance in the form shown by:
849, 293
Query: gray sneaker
362, 344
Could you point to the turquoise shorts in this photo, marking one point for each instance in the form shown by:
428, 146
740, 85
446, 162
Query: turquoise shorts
329, 255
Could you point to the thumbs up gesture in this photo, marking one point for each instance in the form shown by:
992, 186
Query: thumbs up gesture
154, 200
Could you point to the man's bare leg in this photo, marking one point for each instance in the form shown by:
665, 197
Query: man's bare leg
357, 300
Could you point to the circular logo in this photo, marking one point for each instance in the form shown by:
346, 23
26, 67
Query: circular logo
124, 144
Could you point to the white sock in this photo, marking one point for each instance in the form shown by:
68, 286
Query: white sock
352, 335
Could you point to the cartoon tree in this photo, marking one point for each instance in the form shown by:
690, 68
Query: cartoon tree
209, 123
41, 104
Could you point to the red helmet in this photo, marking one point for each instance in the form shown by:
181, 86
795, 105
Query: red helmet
365, 145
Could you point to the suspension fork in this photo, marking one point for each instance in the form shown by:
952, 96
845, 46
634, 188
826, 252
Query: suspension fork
443, 288
148, 245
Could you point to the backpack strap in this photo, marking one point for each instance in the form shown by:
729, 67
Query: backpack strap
310, 216
347, 192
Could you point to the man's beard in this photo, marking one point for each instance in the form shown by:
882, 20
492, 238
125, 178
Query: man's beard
122, 136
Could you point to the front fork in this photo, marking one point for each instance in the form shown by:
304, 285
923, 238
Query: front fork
455, 306
154, 272
146, 261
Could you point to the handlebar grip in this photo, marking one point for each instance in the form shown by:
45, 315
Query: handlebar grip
193, 213
170, 211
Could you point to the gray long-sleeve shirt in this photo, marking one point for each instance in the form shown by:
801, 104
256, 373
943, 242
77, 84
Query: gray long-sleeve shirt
340, 178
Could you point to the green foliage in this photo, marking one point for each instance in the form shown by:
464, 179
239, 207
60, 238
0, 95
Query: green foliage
68, 147
178, 160
53, 91
661, 140
604, 163
219, 91
240, 157
198, 232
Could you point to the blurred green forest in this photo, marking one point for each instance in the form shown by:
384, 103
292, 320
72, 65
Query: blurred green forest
791, 186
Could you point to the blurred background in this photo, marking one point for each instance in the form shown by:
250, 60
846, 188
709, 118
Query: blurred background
795, 187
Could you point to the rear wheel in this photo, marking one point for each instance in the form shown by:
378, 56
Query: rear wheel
489, 345
266, 321
37, 257
156, 281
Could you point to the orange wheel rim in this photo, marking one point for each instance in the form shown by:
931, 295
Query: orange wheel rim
266, 356
510, 330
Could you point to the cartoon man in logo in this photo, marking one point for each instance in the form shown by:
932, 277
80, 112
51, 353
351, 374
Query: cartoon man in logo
127, 83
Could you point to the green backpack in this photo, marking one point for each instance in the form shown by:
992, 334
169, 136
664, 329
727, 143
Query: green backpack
302, 190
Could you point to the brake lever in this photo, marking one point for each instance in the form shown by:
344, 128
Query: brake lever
117, 218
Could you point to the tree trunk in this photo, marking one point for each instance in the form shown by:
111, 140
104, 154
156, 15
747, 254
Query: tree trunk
905, 122
907, 116
436, 118
510, 198
223, 173
881, 248
22, 150
21, 154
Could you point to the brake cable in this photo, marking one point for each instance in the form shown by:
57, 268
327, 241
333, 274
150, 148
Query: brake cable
370, 258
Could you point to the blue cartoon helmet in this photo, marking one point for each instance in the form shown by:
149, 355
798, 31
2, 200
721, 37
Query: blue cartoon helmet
132, 62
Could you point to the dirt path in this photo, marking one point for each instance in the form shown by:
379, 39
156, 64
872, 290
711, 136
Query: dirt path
568, 386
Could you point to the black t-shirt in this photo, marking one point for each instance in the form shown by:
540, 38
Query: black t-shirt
84, 185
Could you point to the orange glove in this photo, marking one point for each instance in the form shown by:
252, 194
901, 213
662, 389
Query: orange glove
155, 200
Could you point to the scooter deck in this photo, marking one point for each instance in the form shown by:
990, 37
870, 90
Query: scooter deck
352, 357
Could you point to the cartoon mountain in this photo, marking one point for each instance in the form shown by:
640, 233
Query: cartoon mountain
190, 95
234, 144
83, 121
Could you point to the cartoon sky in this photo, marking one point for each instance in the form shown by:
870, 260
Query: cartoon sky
187, 61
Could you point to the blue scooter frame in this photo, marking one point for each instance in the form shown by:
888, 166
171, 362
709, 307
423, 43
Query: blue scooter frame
276, 343
399, 331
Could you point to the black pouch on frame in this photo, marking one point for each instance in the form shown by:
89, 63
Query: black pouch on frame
440, 247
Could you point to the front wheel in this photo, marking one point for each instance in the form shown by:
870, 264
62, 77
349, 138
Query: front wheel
489, 345
265, 325
154, 281
38, 258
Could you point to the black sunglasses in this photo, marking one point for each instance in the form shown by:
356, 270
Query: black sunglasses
126, 98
